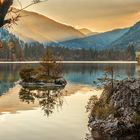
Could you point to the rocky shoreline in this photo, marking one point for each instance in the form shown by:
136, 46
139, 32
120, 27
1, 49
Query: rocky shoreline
117, 111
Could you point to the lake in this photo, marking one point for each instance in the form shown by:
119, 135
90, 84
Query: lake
48, 114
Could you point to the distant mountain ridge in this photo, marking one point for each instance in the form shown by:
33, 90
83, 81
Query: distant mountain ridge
132, 36
37, 27
87, 32
117, 39
14, 49
99, 41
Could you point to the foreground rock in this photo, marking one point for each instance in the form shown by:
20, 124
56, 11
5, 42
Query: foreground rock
117, 112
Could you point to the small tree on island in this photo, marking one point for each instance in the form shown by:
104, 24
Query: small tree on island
47, 63
49, 70
50, 65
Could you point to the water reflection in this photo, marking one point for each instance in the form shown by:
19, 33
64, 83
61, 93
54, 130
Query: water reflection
87, 73
4, 87
8, 77
48, 98
51, 99
75, 73
9, 72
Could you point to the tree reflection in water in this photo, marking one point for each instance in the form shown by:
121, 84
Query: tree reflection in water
48, 98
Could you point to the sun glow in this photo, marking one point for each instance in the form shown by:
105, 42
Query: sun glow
138, 13
96, 15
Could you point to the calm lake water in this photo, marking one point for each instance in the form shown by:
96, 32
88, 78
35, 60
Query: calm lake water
48, 114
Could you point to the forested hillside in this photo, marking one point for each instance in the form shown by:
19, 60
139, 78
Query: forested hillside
132, 36
99, 41
14, 49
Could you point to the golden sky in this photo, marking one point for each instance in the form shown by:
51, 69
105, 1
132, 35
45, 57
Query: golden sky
97, 15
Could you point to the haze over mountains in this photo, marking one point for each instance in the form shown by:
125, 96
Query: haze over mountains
28, 41
132, 36
34, 26
117, 39
87, 32
99, 41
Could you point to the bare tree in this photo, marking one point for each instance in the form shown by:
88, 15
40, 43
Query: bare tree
6, 8
107, 80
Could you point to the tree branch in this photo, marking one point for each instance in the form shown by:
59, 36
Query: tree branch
33, 3
5, 8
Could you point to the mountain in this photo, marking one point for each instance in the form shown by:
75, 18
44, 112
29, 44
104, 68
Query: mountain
87, 31
34, 26
6, 37
12, 48
117, 39
99, 41
10, 45
132, 36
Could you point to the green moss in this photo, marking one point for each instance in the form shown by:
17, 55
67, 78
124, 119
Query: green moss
102, 111
136, 119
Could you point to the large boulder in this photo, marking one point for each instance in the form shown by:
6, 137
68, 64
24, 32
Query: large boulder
121, 107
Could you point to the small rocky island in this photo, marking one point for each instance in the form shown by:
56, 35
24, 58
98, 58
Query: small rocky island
47, 75
117, 111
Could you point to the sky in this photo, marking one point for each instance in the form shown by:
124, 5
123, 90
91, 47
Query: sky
97, 15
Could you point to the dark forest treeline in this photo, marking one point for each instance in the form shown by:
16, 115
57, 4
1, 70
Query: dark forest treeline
17, 50
34, 51
94, 55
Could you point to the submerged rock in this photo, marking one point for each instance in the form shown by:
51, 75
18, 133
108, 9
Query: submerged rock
117, 112
60, 82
